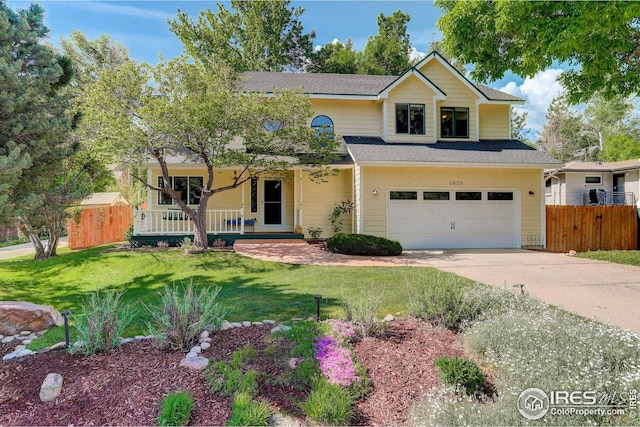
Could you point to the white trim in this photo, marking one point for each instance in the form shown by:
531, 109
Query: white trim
439, 94
434, 55
478, 120
457, 165
385, 117
149, 190
283, 217
436, 118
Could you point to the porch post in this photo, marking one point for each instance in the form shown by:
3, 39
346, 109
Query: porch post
241, 219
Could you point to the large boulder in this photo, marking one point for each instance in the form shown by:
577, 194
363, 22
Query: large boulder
17, 316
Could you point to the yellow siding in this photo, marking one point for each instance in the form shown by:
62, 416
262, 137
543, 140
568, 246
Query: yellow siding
319, 198
458, 93
357, 118
412, 91
384, 178
494, 121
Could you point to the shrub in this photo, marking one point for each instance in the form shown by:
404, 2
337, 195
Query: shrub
183, 313
363, 244
314, 232
329, 404
175, 409
440, 300
459, 372
248, 412
228, 379
362, 312
104, 321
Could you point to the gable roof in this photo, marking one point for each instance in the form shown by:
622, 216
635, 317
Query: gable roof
371, 150
577, 166
359, 85
103, 199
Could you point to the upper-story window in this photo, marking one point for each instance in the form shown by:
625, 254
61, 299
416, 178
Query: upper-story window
410, 119
322, 124
454, 122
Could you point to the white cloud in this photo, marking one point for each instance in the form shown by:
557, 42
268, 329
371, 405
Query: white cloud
538, 92
119, 9
415, 54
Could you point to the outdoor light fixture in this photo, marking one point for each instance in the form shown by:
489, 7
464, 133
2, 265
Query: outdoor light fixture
521, 286
532, 193
66, 314
374, 192
318, 298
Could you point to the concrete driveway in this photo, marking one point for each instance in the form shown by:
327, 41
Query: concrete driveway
605, 291
26, 249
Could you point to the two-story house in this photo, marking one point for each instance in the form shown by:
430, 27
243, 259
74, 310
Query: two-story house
429, 162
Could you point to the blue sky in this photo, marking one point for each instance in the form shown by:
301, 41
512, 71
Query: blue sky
142, 27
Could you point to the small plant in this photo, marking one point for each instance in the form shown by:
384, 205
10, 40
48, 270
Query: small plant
188, 247
228, 379
314, 232
336, 217
247, 412
455, 371
183, 313
175, 410
219, 243
362, 312
335, 360
162, 244
363, 244
329, 404
104, 321
128, 236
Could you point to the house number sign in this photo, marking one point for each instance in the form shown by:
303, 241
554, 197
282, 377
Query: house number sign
456, 183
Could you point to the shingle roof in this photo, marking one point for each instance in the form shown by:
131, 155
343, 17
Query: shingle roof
375, 150
601, 166
101, 198
338, 84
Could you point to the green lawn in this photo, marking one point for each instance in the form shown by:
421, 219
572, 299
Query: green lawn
619, 257
251, 289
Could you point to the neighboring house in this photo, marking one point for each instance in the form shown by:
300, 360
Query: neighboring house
429, 161
101, 200
594, 183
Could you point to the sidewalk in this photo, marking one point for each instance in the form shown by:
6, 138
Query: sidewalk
25, 249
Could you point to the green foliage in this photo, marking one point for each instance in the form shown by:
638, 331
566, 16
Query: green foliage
363, 244
229, 379
618, 257
336, 217
314, 232
362, 311
175, 409
360, 389
105, 318
335, 58
248, 412
387, 53
528, 37
183, 314
302, 335
455, 371
329, 404
252, 36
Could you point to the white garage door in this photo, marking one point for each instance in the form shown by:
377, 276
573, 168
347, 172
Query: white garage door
445, 219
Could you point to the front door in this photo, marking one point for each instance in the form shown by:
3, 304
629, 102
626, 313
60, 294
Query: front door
272, 202
618, 189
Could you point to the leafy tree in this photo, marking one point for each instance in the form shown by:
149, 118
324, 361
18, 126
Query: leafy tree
519, 129
566, 136
194, 111
611, 118
600, 40
253, 36
335, 58
387, 53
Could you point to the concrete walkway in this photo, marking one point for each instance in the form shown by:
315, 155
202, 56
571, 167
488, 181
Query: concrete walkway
26, 249
605, 291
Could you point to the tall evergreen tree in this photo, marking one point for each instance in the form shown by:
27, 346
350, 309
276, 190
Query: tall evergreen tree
388, 52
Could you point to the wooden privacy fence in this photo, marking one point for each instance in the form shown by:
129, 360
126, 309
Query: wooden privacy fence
583, 228
99, 226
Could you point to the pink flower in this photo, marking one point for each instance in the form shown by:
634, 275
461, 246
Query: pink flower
335, 361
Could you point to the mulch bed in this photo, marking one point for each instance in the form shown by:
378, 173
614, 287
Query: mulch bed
125, 386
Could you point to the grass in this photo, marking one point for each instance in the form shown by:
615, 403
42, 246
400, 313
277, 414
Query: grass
251, 289
618, 257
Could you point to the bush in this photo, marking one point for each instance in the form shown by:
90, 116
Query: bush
459, 372
175, 409
248, 412
104, 321
363, 244
329, 404
363, 311
441, 300
183, 313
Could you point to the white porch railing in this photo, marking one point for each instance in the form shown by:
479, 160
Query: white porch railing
172, 221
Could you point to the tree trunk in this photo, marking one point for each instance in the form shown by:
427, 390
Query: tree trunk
28, 231
200, 230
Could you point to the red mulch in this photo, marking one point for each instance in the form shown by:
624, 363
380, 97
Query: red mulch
125, 386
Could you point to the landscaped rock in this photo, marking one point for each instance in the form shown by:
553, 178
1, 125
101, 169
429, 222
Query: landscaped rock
58, 345
225, 325
204, 334
139, 337
126, 340
207, 339
257, 323
280, 328
196, 349
269, 322
51, 387
388, 318
236, 325
205, 345
246, 323
198, 363
7, 340
25, 333
18, 316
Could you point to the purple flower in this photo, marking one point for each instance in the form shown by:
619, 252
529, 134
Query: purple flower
335, 361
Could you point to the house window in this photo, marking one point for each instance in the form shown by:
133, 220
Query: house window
189, 189
594, 180
323, 124
403, 195
468, 195
454, 122
500, 195
254, 195
410, 119
435, 195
